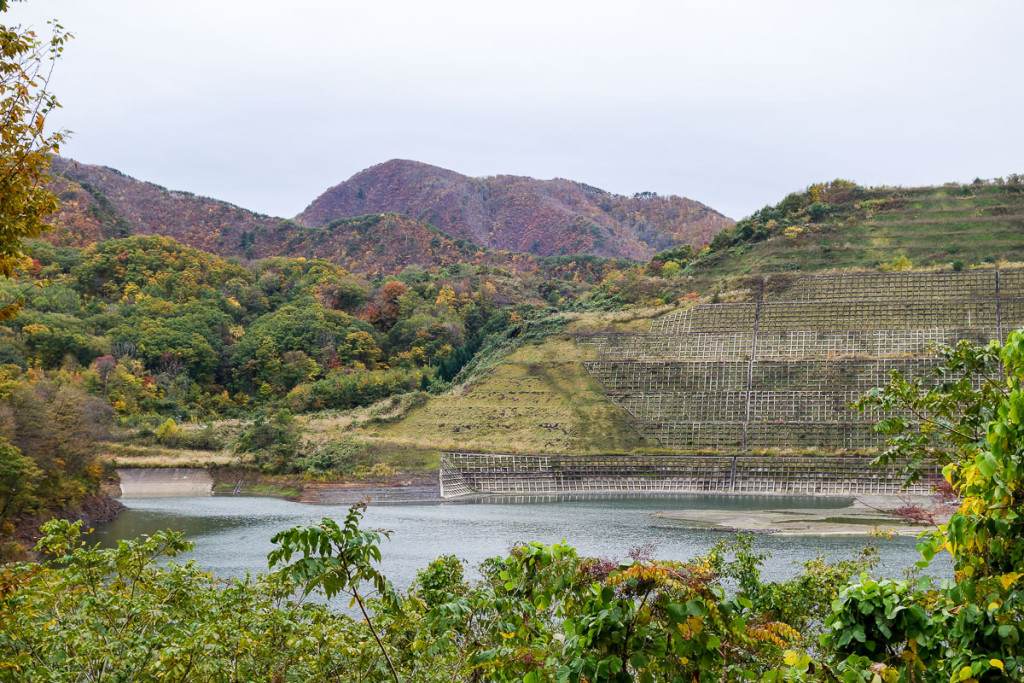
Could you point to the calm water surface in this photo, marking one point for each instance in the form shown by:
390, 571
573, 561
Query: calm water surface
232, 534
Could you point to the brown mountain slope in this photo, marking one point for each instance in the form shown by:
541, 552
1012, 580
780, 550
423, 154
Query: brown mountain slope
384, 244
516, 213
99, 203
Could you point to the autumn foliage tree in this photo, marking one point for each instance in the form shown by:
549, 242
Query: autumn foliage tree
26, 62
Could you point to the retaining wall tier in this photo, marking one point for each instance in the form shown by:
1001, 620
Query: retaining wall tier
780, 372
848, 374
467, 473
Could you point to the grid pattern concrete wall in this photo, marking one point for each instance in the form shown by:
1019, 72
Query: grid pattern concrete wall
708, 346
967, 284
467, 473
814, 374
904, 314
779, 372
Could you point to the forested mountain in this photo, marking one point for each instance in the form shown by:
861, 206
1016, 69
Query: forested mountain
387, 231
515, 213
99, 203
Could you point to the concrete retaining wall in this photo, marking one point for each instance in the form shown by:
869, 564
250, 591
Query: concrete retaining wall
165, 482
465, 473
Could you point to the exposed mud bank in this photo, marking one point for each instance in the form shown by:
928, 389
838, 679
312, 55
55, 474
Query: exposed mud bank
863, 517
96, 510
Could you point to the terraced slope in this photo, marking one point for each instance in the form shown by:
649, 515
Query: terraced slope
857, 227
779, 372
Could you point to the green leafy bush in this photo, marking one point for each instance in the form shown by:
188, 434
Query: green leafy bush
273, 443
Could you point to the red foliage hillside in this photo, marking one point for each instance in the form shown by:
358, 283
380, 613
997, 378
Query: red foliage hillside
99, 203
522, 216
515, 213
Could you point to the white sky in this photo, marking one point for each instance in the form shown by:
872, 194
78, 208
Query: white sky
734, 103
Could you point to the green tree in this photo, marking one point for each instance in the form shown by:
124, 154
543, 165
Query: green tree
191, 332
304, 326
941, 415
58, 427
18, 476
274, 443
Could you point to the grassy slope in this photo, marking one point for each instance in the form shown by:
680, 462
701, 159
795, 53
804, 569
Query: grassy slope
540, 399
931, 226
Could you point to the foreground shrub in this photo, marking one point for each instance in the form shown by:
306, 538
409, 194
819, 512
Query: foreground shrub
540, 613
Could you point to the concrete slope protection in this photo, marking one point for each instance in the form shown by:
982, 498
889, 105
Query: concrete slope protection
778, 372
754, 396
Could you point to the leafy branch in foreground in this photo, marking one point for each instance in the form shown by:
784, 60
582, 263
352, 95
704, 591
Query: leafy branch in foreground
337, 559
931, 419
968, 630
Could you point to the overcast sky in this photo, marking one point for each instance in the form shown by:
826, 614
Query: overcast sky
734, 103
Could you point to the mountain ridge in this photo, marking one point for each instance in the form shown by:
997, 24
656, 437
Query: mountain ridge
519, 213
98, 203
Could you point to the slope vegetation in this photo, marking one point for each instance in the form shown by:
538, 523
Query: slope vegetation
514, 213
538, 399
839, 225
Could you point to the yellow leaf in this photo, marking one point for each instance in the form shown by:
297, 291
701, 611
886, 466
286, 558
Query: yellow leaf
1008, 579
996, 664
790, 658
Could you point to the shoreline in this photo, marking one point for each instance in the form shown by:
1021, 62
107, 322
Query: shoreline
97, 508
409, 486
863, 516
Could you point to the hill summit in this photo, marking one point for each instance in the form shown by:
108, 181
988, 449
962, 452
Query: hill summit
517, 213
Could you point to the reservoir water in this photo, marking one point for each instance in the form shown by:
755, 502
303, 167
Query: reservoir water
232, 534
